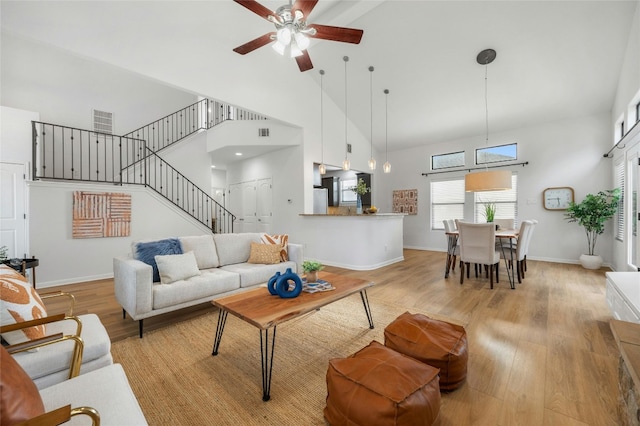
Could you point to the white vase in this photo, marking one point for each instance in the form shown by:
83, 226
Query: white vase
591, 261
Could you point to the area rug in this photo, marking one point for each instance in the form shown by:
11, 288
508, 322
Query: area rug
178, 382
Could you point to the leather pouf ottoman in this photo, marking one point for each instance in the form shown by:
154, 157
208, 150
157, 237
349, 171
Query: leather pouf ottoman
379, 386
437, 343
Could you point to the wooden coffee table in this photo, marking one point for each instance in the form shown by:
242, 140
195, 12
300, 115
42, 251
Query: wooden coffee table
264, 311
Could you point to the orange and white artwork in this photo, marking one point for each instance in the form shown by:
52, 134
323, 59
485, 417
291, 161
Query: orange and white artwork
405, 201
101, 214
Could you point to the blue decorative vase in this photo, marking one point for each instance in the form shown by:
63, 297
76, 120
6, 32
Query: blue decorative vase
271, 284
283, 284
359, 205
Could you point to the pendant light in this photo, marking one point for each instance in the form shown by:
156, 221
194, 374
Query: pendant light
346, 164
487, 180
386, 167
372, 161
322, 168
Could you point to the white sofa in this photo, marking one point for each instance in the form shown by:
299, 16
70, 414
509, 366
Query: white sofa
223, 270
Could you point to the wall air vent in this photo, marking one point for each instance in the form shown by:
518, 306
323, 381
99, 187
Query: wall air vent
263, 133
102, 121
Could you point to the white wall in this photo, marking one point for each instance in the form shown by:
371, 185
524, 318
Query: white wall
66, 260
627, 96
562, 153
64, 88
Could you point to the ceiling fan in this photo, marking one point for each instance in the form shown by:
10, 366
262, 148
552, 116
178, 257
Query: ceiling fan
293, 32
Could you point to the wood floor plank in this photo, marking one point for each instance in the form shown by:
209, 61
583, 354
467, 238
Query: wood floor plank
553, 328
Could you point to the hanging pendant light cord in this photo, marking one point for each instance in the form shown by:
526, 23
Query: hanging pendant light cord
486, 111
346, 145
386, 125
371, 103
321, 117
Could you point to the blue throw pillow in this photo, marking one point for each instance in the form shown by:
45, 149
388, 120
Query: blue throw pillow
146, 252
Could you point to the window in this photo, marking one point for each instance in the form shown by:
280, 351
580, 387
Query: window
348, 196
638, 112
619, 172
444, 161
447, 201
506, 202
622, 129
495, 154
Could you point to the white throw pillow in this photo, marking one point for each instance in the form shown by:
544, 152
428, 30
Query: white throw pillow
176, 267
203, 248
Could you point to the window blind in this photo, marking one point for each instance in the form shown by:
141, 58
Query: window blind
506, 202
619, 177
447, 201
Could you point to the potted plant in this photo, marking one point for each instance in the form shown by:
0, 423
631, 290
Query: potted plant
592, 213
489, 211
360, 190
311, 268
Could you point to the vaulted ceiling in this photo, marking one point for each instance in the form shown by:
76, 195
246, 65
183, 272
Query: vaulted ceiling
555, 59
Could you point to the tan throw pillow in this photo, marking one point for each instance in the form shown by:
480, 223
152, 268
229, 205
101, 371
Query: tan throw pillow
264, 253
20, 302
176, 267
281, 240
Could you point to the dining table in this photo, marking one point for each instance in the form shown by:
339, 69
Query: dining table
501, 234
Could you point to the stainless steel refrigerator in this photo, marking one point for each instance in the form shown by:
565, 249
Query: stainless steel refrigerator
320, 200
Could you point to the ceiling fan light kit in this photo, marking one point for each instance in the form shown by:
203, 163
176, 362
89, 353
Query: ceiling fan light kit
293, 31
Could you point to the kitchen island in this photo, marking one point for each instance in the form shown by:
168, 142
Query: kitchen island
359, 242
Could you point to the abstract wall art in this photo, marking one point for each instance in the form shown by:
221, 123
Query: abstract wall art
101, 214
405, 201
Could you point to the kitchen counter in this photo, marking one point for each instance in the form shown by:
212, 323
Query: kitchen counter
359, 242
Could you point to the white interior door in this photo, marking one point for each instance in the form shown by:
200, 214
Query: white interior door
264, 201
235, 205
13, 224
249, 206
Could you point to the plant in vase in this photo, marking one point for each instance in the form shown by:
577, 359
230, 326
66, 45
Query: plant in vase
489, 211
3, 253
311, 268
360, 189
592, 213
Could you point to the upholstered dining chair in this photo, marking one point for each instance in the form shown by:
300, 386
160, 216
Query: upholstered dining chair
450, 226
505, 223
519, 251
477, 245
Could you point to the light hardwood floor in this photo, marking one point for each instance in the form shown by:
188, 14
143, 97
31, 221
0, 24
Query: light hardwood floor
542, 354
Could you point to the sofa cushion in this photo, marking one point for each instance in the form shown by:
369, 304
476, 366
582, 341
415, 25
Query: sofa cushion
175, 267
20, 302
204, 249
19, 396
209, 283
146, 252
252, 274
267, 254
235, 248
279, 239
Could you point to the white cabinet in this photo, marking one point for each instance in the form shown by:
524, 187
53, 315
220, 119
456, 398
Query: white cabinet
623, 295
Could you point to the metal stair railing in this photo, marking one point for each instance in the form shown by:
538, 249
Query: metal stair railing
72, 154
158, 175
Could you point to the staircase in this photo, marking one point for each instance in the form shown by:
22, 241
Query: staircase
71, 154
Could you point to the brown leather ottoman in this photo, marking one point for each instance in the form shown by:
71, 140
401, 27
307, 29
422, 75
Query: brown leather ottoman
437, 343
379, 386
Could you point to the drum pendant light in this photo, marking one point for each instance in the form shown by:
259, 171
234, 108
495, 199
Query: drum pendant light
486, 180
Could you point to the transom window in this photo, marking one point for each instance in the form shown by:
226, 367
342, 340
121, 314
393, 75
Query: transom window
445, 161
506, 202
447, 201
496, 154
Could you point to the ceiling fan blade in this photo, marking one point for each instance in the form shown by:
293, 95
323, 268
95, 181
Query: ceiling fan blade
346, 35
256, 8
304, 61
255, 44
304, 6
